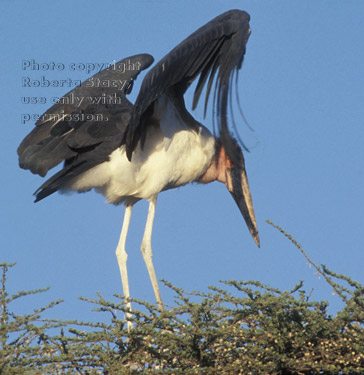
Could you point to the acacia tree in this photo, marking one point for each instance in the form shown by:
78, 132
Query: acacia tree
236, 328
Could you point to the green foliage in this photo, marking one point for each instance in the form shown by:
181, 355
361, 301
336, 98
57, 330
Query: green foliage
237, 328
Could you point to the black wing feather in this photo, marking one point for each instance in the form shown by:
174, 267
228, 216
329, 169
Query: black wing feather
65, 131
75, 166
212, 52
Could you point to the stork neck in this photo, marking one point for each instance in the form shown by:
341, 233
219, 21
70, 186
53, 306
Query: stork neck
217, 169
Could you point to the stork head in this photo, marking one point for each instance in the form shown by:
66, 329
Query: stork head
234, 176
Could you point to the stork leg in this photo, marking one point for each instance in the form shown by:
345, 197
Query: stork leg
122, 257
146, 249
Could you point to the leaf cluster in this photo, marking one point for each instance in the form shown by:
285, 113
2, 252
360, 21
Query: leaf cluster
239, 327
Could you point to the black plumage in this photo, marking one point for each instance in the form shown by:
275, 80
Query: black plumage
60, 135
214, 51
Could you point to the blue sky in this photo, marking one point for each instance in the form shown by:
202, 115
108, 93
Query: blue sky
302, 91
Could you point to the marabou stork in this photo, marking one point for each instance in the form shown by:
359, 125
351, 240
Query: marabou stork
129, 152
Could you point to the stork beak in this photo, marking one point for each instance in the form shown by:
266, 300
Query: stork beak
237, 184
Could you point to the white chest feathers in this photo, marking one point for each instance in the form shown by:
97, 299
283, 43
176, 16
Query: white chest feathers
173, 155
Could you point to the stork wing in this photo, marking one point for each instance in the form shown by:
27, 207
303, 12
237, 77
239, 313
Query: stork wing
215, 50
73, 127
